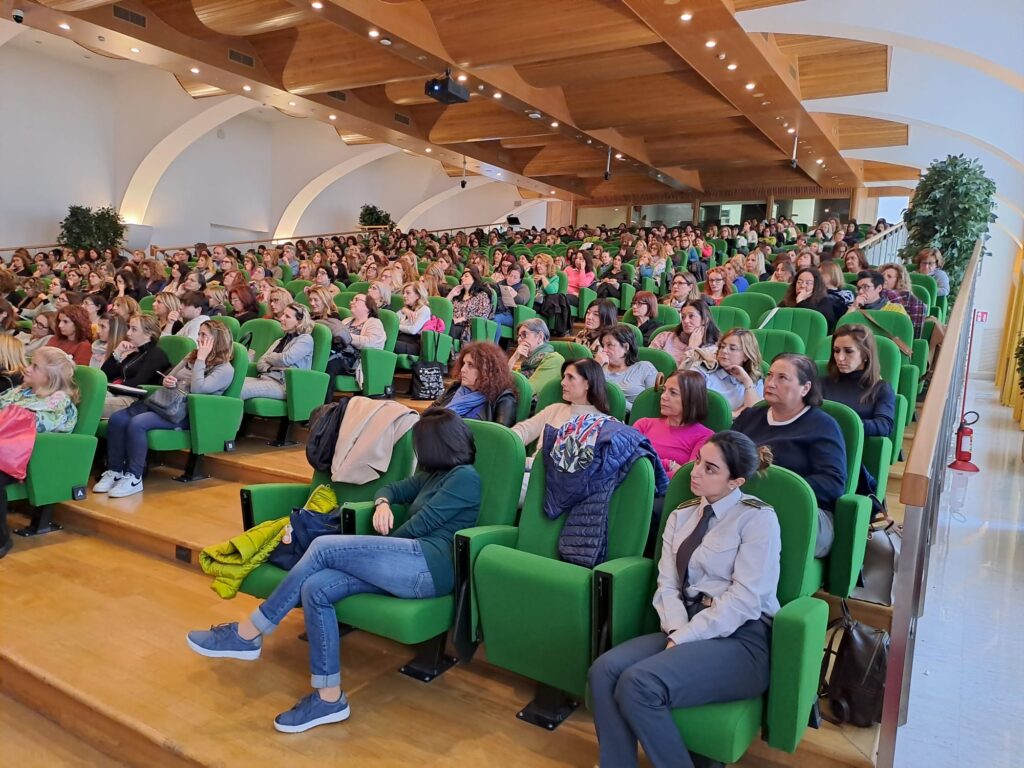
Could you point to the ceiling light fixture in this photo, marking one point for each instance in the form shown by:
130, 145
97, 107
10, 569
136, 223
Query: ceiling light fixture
710, 44
731, 67
291, 103
135, 50
554, 123
750, 86
685, 16
820, 161
373, 33
721, 56
462, 78
552, 192
791, 131
332, 117
497, 94
317, 5
499, 173
194, 70
247, 88
618, 155
65, 26
385, 41
428, 150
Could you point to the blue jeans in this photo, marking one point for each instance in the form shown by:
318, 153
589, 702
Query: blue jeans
126, 437
502, 318
333, 568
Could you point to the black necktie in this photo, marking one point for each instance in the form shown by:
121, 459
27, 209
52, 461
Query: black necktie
689, 546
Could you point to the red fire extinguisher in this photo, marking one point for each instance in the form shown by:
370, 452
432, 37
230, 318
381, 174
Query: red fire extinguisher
965, 444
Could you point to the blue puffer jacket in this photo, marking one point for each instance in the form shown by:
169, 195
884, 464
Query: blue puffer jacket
586, 492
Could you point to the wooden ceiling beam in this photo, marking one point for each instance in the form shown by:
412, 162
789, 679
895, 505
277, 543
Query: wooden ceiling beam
481, 120
856, 132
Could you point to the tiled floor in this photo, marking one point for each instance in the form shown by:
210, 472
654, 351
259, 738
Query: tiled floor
967, 693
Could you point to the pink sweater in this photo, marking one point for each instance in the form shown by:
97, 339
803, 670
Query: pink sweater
579, 279
678, 444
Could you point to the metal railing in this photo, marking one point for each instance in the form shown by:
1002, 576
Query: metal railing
921, 488
885, 246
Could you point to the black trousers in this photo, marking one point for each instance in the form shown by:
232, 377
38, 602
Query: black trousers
407, 344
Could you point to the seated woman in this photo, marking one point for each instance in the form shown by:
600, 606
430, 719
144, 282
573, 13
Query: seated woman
806, 258
534, 356
898, 285
621, 366
645, 313
324, 278
929, 262
153, 277
546, 277
754, 263
738, 265
803, 437
599, 317
482, 386
322, 308
73, 334
683, 289
735, 372
205, 371
111, 330
513, 293
167, 308
855, 381
716, 287
678, 434
243, 303
12, 362
782, 272
855, 261
216, 300
49, 391
124, 307
725, 546
135, 361
581, 275
694, 340
835, 286
293, 350
807, 291
413, 315
363, 330
277, 300
609, 284
413, 561
472, 297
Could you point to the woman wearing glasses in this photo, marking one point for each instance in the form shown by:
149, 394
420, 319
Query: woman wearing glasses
736, 371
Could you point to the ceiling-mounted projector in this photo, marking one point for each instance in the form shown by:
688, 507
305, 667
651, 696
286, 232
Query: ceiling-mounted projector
446, 90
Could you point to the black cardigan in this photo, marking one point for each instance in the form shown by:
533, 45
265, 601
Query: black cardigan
138, 368
501, 411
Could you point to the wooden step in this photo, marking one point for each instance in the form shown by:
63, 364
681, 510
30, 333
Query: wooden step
31, 741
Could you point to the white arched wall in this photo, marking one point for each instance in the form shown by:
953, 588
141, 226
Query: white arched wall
527, 213
147, 176
292, 215
410, 219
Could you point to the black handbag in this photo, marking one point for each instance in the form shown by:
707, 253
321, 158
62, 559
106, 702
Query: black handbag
170, 403
427, 381
856, 685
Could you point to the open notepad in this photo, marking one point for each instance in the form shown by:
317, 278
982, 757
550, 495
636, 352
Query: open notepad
121, 389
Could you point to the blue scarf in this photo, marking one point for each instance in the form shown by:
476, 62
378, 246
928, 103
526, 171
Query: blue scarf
467, 403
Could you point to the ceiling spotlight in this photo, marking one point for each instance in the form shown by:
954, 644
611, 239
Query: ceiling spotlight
135, 50
533, 114
618, 155
291, 103
710, 44
332, 117
385, 41
373, 33
65, 26
317, 5
480, 87
499, 173
247, 88
554, 123
497, 94
462, 78
791, 131
721, 56
750, 86
765, 103
820, 161
685, 16
551, 192
590, 141
731, 67
194, 70
428, 150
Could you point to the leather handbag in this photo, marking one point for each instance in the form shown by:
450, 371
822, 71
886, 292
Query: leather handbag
17, 439
170, 403
881, 558
855, 686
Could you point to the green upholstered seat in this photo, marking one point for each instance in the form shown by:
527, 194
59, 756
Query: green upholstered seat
808, 324
772, 342
378, 364
659, 358
552, 393
648, 405
176, 347
434, 346
776, 290
754, 304
727, 318
524, 394
570, 350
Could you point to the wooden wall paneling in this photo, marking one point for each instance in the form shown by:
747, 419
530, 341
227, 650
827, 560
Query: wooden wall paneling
875, 170
833, 66
890, 191
856, 132
250, 17
407, 92
74, 6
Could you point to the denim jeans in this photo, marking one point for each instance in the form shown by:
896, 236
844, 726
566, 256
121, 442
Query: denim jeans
126, 437
333, 568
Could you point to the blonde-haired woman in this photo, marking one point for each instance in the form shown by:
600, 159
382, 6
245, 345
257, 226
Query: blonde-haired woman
546, 277
111, 330
216, 300
12, 361
293, 350
413, 315
277, 300
736, 372
206, 370
167, 308
323, 309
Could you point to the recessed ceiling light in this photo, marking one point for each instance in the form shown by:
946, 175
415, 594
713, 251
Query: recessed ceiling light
791, 131
385, 41
750, 86
499, 173
710, 44
135, 50
480, 87
590, 141
551, 192
820, 161
428, 150
462, 78
65, 26
685, 16
731, 67
533, 114
554, 123
721, 56
332, 117
497, 94
291, 103
765, 103
317, 5
373, 33
194, 70
618, 155
247, 88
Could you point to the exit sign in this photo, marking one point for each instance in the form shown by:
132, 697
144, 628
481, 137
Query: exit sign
982, 317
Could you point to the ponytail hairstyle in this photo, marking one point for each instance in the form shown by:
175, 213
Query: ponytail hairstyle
742, 457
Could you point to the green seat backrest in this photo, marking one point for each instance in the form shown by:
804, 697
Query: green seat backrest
853, 435
176, 347
773, 342
660, 359
636, 334
232, 325
321, 347
390, 322
552, 393
630, 271
563, 282
896, 323
797, 510
727, 318
343, 299
92, 390
442, 308
850, 277
531, 284
754, 304
667, 315
570, 350
264, 333
776, 290
808, 324
929, 284
500, 462
629, 515
359, 286
524, 393
239, 366
647, 405
923, 294
295, 286
399, 469
146, 303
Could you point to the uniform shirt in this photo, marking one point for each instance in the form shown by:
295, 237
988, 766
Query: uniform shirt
736, 564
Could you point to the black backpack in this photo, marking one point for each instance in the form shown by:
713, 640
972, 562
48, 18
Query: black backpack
856, 687
324, 424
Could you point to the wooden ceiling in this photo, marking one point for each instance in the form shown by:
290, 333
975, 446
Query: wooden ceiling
556, 88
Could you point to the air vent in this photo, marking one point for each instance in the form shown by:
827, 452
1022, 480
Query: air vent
516, 203
130, 16
338, 95
241, 58
403, 119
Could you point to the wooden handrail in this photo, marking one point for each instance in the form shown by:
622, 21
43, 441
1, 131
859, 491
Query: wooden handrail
917, 474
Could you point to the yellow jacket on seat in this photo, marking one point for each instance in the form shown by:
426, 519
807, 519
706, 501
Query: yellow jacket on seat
231, 561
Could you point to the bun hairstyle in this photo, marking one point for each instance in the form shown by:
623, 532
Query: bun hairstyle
742, 457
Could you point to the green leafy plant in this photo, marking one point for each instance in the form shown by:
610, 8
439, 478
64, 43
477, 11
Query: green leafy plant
86, 227
952, 207
372, 216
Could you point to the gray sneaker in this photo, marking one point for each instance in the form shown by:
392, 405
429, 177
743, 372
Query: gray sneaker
223, 642
311, 711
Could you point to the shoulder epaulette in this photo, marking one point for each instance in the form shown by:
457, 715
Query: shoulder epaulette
754, 502
690, 503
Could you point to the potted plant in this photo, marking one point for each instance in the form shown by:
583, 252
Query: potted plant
85, 227
952, 207
372, 216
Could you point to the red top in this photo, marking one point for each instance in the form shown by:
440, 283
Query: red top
80, 351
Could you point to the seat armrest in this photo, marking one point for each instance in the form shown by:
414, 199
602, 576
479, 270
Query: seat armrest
378, 370
851, 519
622, 593
305, 391
60, 462
357, 517
469, 542
213, 420
798, 643
269, 501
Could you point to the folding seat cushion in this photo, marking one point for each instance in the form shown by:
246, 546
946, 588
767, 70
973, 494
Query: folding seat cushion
570, 350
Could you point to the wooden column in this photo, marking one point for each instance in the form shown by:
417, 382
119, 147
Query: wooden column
858, 199
768, 205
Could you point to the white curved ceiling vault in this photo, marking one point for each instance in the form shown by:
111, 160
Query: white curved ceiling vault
517, 211
409, 219
154, 165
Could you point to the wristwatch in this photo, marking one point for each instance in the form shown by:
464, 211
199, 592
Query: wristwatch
380, 500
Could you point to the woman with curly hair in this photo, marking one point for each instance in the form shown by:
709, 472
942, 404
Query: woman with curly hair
716, 287
73, 334
482, 388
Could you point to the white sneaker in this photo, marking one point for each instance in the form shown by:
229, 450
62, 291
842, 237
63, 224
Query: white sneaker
107, 481
128, 485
